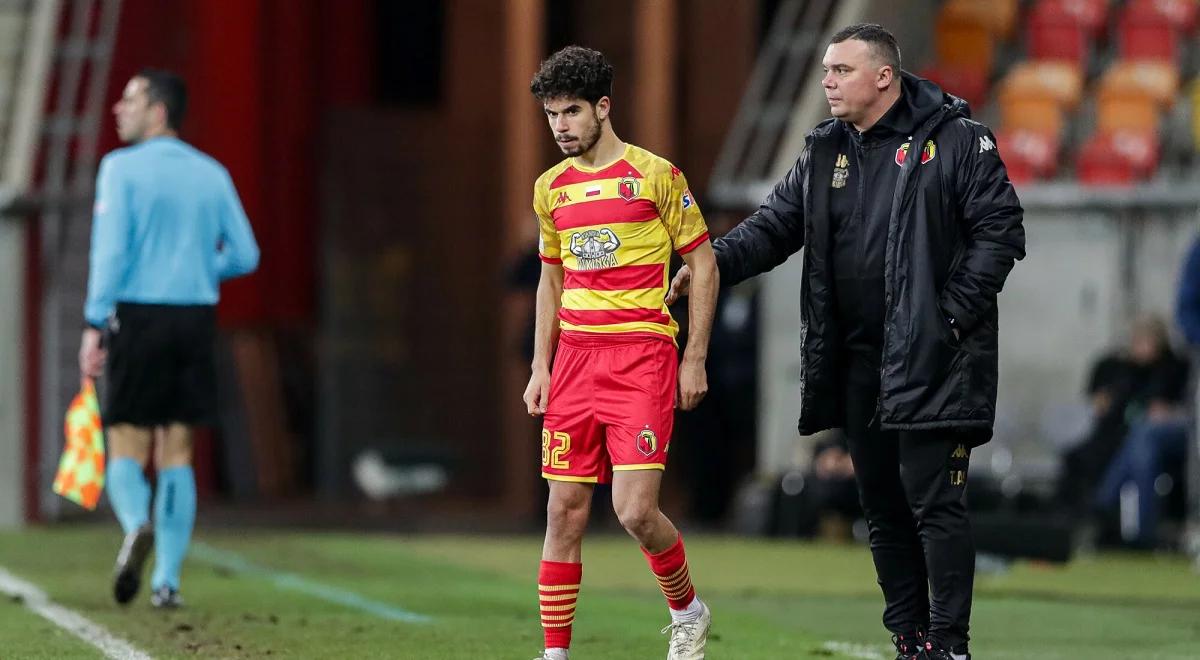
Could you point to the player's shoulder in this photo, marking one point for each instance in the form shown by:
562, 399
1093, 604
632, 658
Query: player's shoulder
650, 164
546, 180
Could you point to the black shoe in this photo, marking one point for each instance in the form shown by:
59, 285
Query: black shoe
128, 572
935, 651
910, 646
166, 598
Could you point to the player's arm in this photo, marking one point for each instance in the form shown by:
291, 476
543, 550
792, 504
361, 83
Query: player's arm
238, 253
545, 335
693, 380
763, 240
108, 263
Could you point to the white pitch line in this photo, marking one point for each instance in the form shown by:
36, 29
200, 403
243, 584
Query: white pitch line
93, 633
853, 650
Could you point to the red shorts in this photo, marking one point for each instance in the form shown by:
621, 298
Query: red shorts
612, 407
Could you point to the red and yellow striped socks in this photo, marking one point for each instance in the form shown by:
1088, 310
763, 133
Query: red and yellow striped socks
558, 589
671, 569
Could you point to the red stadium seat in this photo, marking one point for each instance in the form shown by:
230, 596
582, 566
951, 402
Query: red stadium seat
970, 84
1057, 34
1180, 14
1035, 154
1118, 158
1091, 15
1147, 35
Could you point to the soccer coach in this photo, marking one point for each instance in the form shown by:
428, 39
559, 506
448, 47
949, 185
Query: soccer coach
911, 227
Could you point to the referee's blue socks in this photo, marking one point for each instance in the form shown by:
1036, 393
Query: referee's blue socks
128, 492
174, 515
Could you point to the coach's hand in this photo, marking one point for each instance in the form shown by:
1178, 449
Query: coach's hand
680, 285
91, 356
537, 392
693, 383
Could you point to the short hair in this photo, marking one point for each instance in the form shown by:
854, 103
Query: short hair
573, 72
169, 89
883, 43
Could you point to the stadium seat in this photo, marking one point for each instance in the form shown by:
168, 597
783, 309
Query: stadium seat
1091, 15
1180, 14
999, 17
1039, 114
1060, 80
1152, 79
1057, 34
1127, 113
1121, 157
1028, 155
964, 82
964, 44
1143, 34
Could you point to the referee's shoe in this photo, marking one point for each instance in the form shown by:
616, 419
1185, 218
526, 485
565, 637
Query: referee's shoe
130, 560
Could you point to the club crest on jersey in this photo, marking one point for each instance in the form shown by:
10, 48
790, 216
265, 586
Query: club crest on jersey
927, 154
628, 188
647, 442
595, 248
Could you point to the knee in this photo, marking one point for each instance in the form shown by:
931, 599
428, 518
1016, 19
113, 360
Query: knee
637, 517
567, 515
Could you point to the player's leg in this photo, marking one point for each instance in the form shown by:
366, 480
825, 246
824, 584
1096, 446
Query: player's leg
561, 570
573, 460
638, 400
174, 511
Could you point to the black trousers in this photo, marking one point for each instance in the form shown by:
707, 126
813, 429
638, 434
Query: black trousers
912, 486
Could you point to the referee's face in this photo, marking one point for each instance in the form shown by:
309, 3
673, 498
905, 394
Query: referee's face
132, 111
851, 81
575, 123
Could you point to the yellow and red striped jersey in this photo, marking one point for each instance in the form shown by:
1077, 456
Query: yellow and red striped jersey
613, 228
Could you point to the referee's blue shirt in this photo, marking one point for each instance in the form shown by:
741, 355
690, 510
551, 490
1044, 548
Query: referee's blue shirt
167, 228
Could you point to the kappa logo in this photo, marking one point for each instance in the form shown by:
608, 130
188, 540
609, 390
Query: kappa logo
562, 198
960, 452
675, 172
986, 144
647, 442
595, 248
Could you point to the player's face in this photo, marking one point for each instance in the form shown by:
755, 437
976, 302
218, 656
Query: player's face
853, 80
133, 111
575, 123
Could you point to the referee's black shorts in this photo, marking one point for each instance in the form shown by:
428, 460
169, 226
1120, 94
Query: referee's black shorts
161, 365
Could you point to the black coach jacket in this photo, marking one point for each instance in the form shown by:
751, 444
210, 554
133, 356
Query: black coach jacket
953, 235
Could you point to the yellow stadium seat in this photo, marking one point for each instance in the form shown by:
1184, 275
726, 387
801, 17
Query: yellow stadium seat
999, 17
964, 44
1060, 80
1152, 79
1127, 113
1041, 114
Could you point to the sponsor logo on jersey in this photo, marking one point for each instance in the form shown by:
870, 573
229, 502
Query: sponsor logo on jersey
592, 191
686, 198
595, 248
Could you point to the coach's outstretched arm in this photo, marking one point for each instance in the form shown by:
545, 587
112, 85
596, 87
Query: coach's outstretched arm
762, 241
693, 379
545, 335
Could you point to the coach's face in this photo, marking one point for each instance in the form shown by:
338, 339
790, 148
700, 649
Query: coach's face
854, 79
575, 123
134, 113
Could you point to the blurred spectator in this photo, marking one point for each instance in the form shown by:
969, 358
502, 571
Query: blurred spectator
1142, 391
1119, 388
834, 497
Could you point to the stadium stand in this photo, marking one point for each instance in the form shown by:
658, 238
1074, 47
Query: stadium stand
1103, 84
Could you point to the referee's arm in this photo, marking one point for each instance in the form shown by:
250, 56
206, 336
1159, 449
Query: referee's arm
238, 253
109, 260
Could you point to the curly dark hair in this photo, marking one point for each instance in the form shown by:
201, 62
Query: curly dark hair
573, 72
